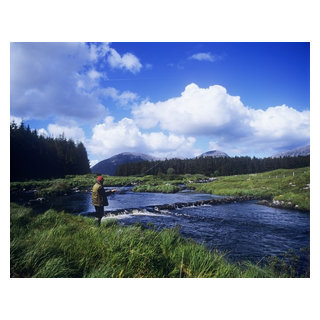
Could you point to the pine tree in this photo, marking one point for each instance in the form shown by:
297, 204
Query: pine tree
34, 157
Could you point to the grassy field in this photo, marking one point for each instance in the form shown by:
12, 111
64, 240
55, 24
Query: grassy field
48, 187
149, 183
164, 188
57, 244
292, 186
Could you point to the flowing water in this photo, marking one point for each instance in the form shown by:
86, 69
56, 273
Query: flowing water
245, 231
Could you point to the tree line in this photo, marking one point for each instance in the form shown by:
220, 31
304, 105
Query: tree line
34, 156
210, 166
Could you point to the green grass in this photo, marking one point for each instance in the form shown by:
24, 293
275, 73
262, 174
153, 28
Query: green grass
148, 183
57, 244
282, 185
289, 185
165, 183
55, 187
164, 188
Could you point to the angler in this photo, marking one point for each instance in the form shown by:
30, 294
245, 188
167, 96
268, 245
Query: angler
99, 199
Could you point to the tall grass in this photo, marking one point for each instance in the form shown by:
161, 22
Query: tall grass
57, 244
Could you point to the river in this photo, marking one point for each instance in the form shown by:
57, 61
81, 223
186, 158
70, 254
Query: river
245, 231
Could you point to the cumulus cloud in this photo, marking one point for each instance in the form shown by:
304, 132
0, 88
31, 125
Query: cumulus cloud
128, 61
94, 74
122, 98
45, 81
63, 79
88, 82
213, 113
203, 56
197, 111
16, 120
110, 138
43, 132
70, 132
98, 51
279, 122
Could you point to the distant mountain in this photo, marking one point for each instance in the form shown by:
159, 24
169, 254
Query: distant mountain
302, 151
214, 154
110, 165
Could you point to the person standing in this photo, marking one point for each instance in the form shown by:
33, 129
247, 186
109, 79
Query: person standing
99, 199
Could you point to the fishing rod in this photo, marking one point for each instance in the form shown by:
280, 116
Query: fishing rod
152, 167
142, 174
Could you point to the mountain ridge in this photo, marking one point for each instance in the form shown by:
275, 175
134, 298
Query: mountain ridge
109, 166
301, 151
214, 154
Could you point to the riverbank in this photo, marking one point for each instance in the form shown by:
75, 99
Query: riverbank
287, 188
283, 188
57, 244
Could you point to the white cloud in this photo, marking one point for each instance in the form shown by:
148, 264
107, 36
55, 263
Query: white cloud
17, 120
70, 132
88, 82
110, 138
97, 51
168, 146
94, 74
278, 122
128, 61
203, 56
123, 99
45, 81
43, 132
63, 79
196, 111
212, 112
213, 145
126, 97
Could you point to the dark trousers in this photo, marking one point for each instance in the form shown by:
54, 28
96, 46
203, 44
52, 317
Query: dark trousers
99, 214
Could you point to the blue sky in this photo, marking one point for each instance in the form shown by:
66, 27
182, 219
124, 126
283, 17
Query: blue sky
165, 99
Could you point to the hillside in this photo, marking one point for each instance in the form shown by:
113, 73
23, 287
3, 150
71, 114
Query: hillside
288, 188
302, 151
110, 165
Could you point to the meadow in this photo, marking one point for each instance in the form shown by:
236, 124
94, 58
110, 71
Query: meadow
58, 244
148, 183
61, 245
285, 187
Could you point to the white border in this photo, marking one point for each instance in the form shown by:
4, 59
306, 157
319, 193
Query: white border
164, 20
